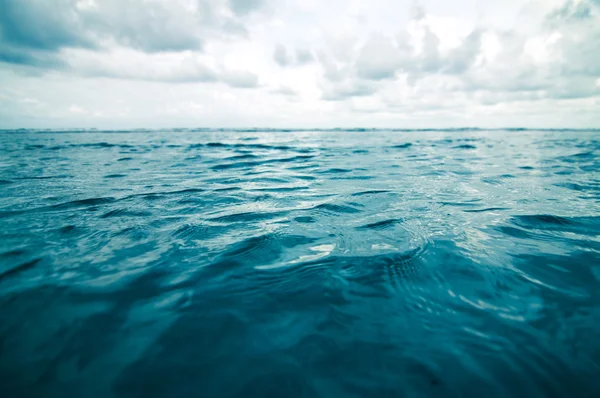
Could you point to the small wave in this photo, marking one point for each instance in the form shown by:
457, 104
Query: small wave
302, 167
237, 165
461, 204
250, 164
580, 187
85, 203
294, 159
381, 224
376, 271
34, 146
67, 229
577, 158
371, 192
584, 155
43, 177
125, 213
101, 145
244, 156
333, 208
280, 189
19, 268
515, 232
269, 180
246, 217
306, 178
305, 219
403, 146
239, 145
196, 231
541, 220
264, 249
13, 253
486, 209
161, 194
546, 222
227, 189
335, 171
353, 177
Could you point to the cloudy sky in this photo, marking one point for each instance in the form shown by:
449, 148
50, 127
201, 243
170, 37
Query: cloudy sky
299, 63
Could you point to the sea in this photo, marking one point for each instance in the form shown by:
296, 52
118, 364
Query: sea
300, 263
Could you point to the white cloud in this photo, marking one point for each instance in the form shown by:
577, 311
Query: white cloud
378, 59
284, 58
379, 63
281, 56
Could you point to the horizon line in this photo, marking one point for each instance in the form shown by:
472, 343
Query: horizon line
290, 129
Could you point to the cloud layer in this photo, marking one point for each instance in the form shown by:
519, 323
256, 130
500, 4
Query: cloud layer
378, 63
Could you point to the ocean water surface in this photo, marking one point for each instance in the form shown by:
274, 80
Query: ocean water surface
214, 263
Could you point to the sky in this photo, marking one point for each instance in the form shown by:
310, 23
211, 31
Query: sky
119, 64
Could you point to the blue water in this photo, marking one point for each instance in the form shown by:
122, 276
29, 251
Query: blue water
296, 263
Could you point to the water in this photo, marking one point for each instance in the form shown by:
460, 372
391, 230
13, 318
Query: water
332, 264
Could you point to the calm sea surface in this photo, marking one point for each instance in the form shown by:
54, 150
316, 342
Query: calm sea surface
288, 264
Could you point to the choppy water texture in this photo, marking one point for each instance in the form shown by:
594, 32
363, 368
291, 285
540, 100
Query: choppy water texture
284, 264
